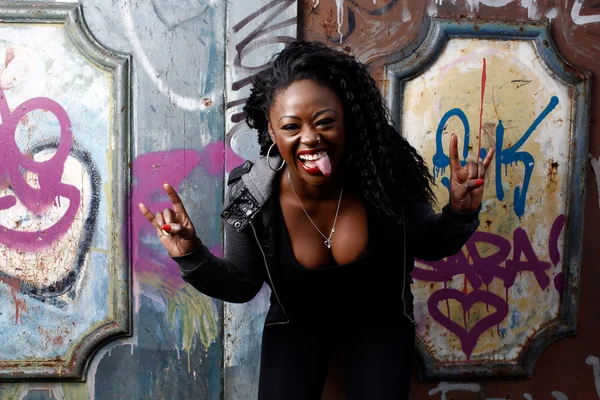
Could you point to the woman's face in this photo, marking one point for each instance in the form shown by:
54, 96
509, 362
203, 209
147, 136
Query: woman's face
306, 122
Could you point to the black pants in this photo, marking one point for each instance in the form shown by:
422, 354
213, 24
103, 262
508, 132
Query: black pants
378, 360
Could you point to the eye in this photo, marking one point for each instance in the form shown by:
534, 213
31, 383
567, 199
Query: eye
290, 127
325, 122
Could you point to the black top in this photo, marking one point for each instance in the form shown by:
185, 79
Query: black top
252, 257
334, 294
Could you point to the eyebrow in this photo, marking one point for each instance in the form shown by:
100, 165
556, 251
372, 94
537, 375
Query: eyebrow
315, 115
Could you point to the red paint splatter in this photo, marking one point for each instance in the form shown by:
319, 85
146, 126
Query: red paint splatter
483, 79
20, 304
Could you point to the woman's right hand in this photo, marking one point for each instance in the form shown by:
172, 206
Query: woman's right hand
173, 226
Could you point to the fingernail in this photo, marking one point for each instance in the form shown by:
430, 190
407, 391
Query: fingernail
479, 182
166, 228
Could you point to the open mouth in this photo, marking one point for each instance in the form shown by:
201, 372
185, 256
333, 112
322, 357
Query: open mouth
317, 163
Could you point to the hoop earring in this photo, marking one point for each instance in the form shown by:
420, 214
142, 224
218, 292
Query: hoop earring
269, 159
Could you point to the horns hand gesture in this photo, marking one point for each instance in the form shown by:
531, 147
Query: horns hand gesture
466, 183
173, 227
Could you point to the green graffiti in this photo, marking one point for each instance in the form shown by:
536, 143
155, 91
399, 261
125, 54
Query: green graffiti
197, 316
10, 391
75, 391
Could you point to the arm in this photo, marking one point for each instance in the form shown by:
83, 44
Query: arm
443, 234
235, 278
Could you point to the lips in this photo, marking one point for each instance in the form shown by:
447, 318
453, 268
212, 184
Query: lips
311, 170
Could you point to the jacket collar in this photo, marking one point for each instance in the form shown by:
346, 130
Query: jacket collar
261, 178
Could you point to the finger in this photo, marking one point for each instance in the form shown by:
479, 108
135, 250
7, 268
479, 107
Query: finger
168, 215
149, 216
463, 190
474, 184
480, 170
489, 157
173, 228
160, 220
454, 163
175, 199
472, 170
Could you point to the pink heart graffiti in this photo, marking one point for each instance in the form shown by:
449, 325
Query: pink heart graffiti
468, 338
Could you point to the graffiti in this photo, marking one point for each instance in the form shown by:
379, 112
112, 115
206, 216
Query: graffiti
54, 269
468, 337
47, 187
582, 19
595, 363
504, 156
174, 13
533, 9
480, 271
596, 168
150, 171
255, 39
154, 269
350, 11
42, 208
443, 388
164, 14
557, 396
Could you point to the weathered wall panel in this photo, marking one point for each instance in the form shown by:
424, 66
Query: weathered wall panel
63, 292
255, 33
177, 86
514, 287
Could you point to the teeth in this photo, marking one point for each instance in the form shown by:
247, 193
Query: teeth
312, 157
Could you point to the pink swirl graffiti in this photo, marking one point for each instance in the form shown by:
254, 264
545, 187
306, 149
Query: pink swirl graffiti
49, 172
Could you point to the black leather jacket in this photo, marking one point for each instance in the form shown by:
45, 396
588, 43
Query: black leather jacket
251, 251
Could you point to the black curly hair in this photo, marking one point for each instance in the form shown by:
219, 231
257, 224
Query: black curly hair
381, 167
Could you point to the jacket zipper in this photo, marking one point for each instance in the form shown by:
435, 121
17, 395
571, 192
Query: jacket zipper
270, 280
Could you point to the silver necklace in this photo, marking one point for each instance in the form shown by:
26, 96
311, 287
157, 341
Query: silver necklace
327, 239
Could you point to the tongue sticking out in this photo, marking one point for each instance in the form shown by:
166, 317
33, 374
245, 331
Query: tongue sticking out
323, 164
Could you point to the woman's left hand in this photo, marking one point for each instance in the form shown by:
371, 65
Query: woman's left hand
466, 183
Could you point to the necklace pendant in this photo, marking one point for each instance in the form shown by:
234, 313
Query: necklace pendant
328, 243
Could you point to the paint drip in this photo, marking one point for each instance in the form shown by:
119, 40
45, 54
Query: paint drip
340, 17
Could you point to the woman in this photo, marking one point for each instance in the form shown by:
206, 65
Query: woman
331, 216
